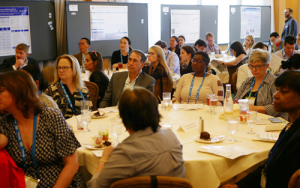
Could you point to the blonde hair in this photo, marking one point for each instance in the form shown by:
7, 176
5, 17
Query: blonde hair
78, 82
259, 55
161, 58
252, 41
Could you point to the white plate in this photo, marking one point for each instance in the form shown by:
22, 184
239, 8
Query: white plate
99, 117
91, 147
264, 140
214, 139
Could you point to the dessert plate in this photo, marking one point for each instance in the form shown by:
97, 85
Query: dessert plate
214, 139
102, 115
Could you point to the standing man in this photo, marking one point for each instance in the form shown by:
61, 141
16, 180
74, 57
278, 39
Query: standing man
289, 45
211, 46
291, 25
172, 58
84, 46
277, 42
120, 81
18, 61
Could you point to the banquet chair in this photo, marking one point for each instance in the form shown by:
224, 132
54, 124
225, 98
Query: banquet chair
162, 85
152, 182
48, 73
94, 93
234, 80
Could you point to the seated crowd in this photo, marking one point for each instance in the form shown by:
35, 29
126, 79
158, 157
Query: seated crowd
45, 145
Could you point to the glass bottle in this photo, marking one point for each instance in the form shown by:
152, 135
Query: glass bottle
228, 103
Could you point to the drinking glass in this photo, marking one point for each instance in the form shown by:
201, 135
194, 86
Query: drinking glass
213, 103
251, 120
116, 129
207, 101
244, 107
120, 65
233, 127
167, 100
85, 118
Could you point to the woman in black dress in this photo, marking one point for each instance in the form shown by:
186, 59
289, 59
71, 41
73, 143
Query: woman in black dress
122, 55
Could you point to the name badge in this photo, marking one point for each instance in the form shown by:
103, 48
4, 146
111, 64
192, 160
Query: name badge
263, 179
30, 182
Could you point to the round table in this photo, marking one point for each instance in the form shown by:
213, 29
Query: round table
202, 169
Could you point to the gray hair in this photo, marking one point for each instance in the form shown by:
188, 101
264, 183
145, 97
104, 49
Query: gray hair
140, 53
259, 55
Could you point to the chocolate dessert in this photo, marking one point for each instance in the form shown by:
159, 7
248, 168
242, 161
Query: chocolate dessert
205, 135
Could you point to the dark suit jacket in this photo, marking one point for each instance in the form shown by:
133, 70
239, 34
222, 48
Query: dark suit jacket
116, 84
9, 62
282, 165
290, 28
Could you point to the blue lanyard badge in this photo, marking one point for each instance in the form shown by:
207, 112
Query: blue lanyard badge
39, 92
198, 91
250, 90
167, 54
122, 56
21, 144
68, 98
83, 60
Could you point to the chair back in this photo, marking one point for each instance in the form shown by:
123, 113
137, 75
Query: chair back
152, 182
234, 80
162, 85
94, 93
48, 73
231, 71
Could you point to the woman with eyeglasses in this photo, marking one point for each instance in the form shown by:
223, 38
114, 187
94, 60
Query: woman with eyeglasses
158, 67
68, 89
260, 88
93, 62
193, 87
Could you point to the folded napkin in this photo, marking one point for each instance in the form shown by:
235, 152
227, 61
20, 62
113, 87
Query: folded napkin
236, 111
275, 127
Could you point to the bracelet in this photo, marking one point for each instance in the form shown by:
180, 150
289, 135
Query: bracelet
102, 160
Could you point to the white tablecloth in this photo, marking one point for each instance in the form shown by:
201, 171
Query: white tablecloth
202, 169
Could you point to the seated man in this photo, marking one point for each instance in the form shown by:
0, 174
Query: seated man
211, 46
172, 58
277, 42
18, 61
200, 45
84, 46
123, 80
289, 45
148, 151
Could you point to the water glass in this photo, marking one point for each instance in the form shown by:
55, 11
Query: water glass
167, 100
244, 107
207, 101
233, 127
85, 119
84, 104
116, 129
251, 120
213, 103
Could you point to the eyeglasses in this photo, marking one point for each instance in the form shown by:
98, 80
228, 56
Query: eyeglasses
257, 67
63, 68
151, 53
197, 61
81, 43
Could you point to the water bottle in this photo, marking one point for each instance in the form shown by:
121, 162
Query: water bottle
228, 103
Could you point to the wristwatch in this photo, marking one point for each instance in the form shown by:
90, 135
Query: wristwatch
223, 63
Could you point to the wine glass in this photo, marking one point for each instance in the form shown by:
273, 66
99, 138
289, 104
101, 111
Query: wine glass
213, 104
251, 120
233, 127
116, 129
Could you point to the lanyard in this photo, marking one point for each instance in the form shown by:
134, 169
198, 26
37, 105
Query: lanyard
167, 54
83, 60
39, 92
22, 148
122, 56
68, 98
212, 48
191, 88
258, 87
285, 54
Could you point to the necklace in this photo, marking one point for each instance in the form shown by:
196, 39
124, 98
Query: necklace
290, 124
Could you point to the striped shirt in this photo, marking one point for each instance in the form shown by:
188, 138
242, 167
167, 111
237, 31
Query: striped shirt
264, 96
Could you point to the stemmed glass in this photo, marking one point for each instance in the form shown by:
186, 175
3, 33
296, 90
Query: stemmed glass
213, 103
116, 129
251, 120
85, 115
233, 127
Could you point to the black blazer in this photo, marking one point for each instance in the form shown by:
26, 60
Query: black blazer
9, 62
282, 165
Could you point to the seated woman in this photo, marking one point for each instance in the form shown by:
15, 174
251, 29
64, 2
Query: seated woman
244, 72
174, 45
181, 39
158, 68
194, 87
122, 55
186, 55
92, 64
41, 84
68, 88
147, 151
293, 63
248, 43
47, 143
259, 88
284, 158
240, 54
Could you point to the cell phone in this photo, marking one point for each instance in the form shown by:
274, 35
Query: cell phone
275, 120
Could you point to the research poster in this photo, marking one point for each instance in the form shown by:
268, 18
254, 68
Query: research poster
14, 29
108, 22
250, 21
186, 23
